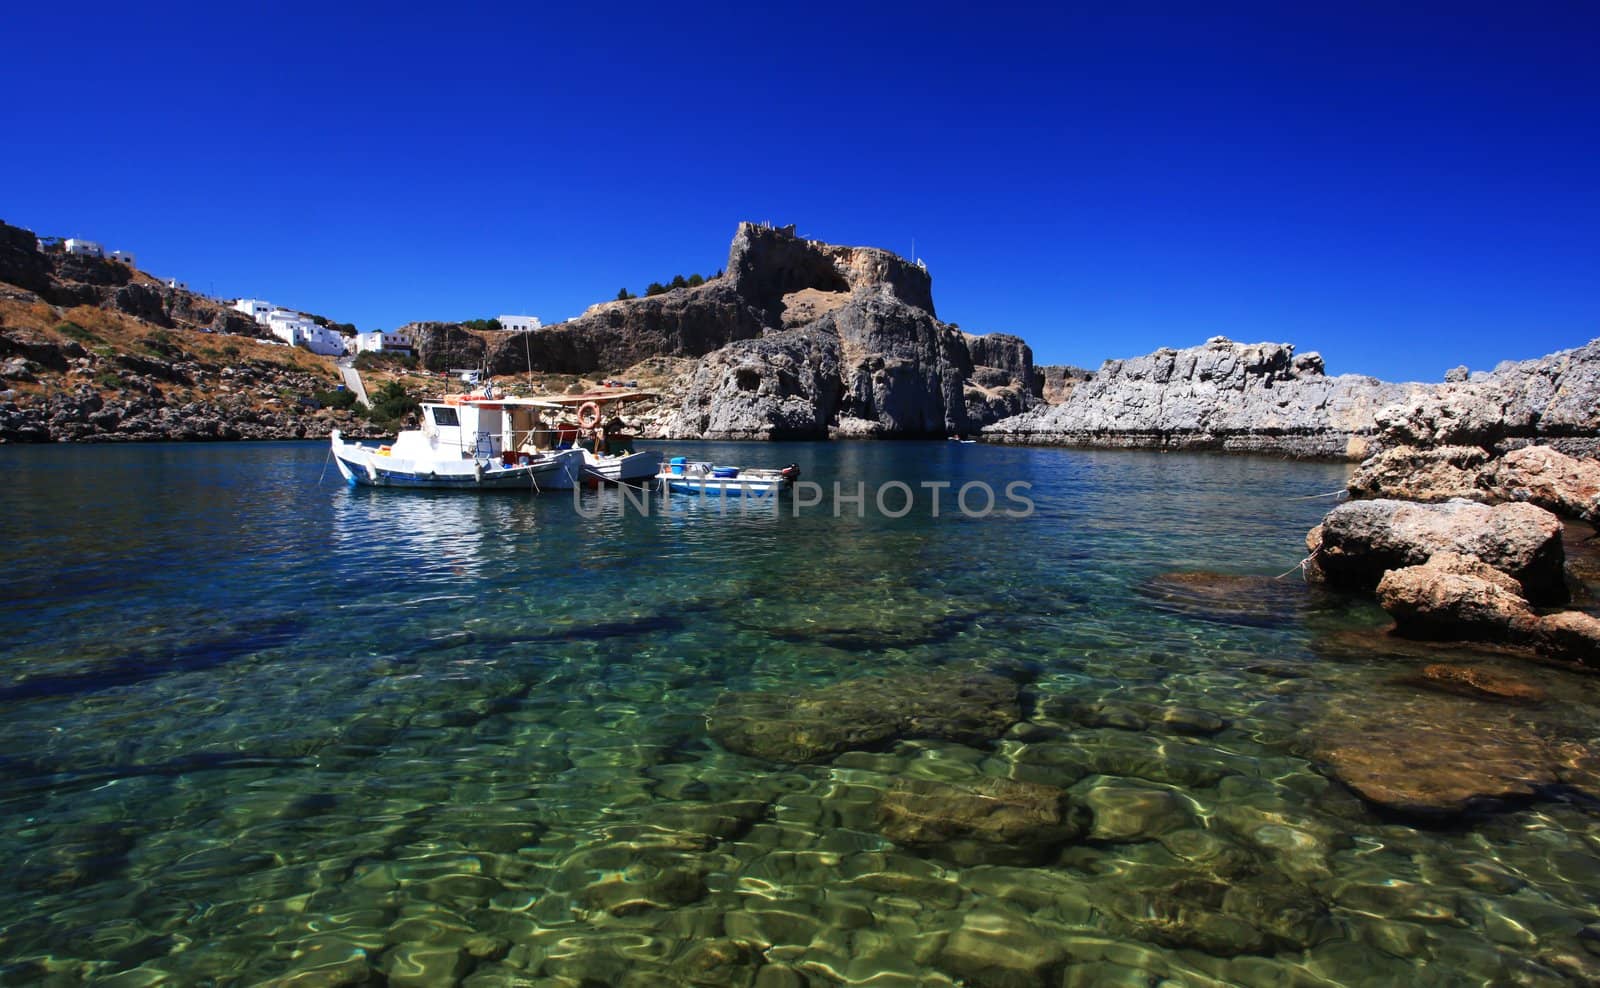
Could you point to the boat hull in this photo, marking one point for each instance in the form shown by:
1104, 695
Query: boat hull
723, 487
366, 467
635, 468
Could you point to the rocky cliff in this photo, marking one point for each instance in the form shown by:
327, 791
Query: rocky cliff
1240, 397
798, 339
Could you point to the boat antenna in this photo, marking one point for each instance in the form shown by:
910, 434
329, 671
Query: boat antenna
527, 347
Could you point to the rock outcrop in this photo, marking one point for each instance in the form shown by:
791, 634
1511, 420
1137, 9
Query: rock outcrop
1056, 382
1360, 541
1263, 398
1553, 400
1455, 598
798, 339
1239, 397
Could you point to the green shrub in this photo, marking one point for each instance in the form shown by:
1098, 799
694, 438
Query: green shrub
391, 404
76, 332
335, 399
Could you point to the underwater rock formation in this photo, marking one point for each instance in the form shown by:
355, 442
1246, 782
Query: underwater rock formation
814, 725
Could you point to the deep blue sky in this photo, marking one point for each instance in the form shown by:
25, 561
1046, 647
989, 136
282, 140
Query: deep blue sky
1401, 191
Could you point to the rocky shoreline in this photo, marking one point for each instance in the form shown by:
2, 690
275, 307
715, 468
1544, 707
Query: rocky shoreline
799, 339
1263, 398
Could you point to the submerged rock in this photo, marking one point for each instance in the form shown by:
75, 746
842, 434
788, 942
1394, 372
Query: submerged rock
1227, 598
1134, 715
1126, 812
984, 820
1359, 541
1433, 758
994, 949
1479, 682
816, 724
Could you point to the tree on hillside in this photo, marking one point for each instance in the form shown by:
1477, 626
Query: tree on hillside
678, 282
695, 281
655, 288
482, 325
623, 295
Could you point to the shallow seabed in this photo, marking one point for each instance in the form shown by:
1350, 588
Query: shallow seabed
254, 724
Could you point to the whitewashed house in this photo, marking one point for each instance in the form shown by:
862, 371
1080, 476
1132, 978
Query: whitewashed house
297, 330
124, 257
519, 324
377, 341
87, 248
255, 308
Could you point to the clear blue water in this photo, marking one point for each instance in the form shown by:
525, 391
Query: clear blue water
255, 723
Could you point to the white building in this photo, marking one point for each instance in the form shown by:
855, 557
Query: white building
520, 324
296, 330
88, 248
255, 308
399, 341
124, 257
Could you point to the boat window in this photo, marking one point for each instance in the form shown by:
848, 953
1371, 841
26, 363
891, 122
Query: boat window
445, 416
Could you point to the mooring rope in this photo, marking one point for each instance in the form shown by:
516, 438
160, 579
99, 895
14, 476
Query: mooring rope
1311, 497
1301, 566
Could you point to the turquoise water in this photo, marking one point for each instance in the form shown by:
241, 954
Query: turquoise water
254, 723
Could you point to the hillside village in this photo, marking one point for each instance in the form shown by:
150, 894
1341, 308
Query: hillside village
94, 348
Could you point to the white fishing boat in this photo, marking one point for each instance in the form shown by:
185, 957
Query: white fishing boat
685, 476
466, 441
608, 453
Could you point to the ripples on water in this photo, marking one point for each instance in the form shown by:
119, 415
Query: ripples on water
255, 724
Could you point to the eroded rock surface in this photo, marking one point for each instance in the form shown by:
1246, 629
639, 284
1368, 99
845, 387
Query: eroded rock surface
1222, 395
1358, 542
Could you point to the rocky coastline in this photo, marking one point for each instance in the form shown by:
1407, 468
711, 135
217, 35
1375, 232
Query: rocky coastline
798, 339
1264, 398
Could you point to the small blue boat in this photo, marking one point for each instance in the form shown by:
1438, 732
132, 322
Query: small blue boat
685, 476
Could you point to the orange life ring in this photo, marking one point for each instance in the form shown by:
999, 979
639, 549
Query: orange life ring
588, 415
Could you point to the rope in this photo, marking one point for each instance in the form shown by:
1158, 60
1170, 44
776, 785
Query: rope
325, 463
1301, 566
1311, 497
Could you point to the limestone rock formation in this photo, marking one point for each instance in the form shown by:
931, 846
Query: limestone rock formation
1548, 478
1359, 541
1257, 397
1554, 400
777, 387
1056, 382
1452, 596
1413, 473
799, 339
